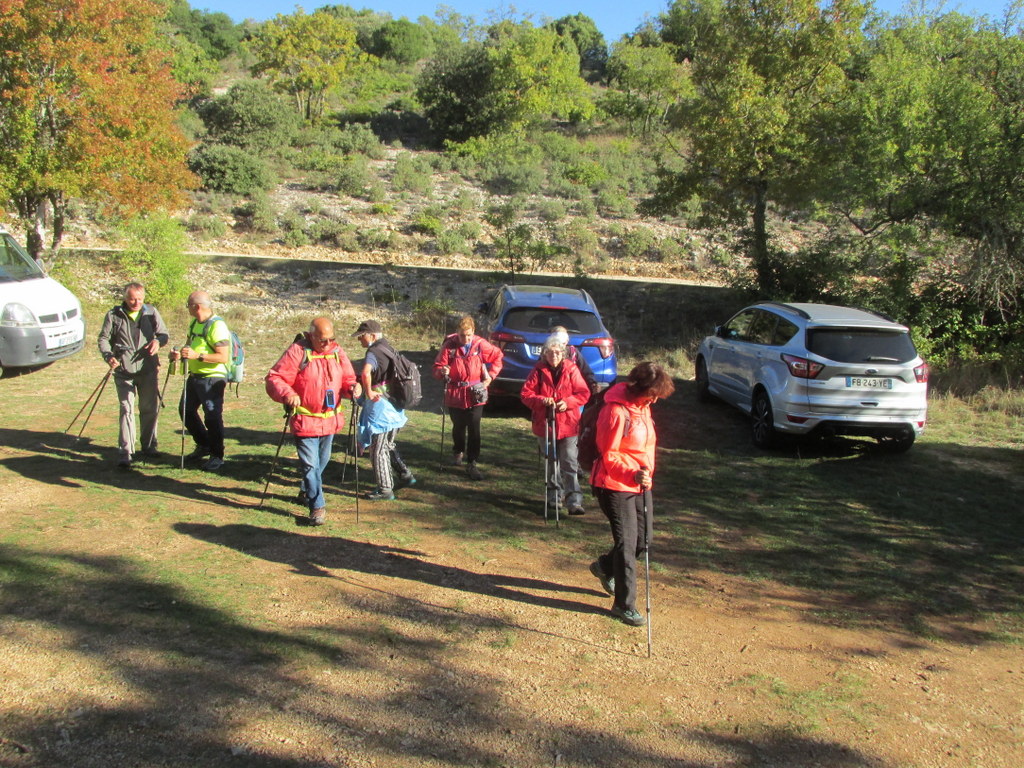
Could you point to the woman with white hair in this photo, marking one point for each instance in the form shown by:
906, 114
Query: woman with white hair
555, 389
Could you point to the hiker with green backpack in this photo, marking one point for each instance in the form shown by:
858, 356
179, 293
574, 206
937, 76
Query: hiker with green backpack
210, 362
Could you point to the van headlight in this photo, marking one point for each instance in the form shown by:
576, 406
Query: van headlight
18, 316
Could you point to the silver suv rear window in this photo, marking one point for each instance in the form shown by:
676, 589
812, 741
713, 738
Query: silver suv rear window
861, 345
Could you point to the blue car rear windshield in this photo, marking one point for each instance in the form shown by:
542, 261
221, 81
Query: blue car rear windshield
543, 319
861, 345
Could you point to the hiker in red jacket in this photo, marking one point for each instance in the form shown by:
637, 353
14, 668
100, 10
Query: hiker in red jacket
467, 363
312, 379
556, 386
622, 477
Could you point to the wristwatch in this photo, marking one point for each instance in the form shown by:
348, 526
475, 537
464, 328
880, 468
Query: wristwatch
202, 358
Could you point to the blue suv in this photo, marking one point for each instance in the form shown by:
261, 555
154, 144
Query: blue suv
519, 319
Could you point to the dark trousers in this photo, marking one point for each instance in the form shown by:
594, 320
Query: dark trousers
207, 392
466, 423
631, 531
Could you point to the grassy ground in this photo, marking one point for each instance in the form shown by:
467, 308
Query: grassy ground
162, 617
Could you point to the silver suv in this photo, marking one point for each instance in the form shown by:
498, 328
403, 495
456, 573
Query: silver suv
817, 368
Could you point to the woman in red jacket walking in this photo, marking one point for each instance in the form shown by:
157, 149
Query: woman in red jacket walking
622, 477
467, 363
556, 387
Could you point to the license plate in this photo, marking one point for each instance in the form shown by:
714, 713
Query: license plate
865, 382
535, 349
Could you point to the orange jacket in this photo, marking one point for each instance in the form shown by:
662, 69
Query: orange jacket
302, 372
625, 442
571, 388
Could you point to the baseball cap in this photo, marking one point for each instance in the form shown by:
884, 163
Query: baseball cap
368, 326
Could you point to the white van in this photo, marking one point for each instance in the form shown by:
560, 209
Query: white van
40, 320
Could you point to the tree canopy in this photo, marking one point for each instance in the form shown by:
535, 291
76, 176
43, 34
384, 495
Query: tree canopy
87, 110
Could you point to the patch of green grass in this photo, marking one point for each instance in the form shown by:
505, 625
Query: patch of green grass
812, 708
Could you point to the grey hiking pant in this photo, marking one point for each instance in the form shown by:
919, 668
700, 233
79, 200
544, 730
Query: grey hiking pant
138, 391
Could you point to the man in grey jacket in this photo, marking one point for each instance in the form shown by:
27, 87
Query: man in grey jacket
129, 341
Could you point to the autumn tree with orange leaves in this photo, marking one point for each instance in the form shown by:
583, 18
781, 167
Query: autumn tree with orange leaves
86, 111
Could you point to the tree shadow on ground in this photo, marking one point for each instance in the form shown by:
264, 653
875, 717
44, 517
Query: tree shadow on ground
158, 677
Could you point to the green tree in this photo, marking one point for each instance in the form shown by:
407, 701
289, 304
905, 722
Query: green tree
250, 115
767, 77
645, 83
215, 33
519, 77
87, 111
305, 56
589, 42
401, 41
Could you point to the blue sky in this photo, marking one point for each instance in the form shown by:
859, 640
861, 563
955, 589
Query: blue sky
613, 18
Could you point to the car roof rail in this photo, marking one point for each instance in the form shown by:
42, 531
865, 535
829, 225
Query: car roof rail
788, 307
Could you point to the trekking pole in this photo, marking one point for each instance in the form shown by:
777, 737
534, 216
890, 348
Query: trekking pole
557, 467
348, 440
440, 451
273, 464
95, 394
184, 404
172, 367
355, 457
647, 565
547, 464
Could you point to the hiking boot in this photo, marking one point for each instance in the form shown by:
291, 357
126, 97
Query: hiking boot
381, 496
198, 453
576, 509
213, 464
124, 464
473, 472
318, 516
629, 616
456, 459
608, 582
407, 479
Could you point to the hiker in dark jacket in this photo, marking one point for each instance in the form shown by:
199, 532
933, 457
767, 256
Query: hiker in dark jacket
467, 363
129, 340
556, 386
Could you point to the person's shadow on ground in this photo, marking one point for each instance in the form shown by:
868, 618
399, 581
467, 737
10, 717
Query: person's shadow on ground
319, 555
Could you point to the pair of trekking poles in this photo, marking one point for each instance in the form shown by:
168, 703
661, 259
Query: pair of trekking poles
94, 399
352, 449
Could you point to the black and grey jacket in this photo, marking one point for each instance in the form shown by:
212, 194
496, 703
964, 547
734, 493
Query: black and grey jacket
124, 339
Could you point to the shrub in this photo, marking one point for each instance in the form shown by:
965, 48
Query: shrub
412, 175
296, 238
471, 230
551, 210
377, 239
451, 241
332, 232
224, 168
382, 209
250, 115
427, 223
580, 239
359, 138
206, 225
354, 176
154, 254
258, 214
505, 177
464, 201
638, 243
615, 202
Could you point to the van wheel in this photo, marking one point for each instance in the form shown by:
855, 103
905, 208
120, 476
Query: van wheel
763, 428
703, 391
897, 443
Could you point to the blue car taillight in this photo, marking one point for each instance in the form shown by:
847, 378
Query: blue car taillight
501, 338
604, 344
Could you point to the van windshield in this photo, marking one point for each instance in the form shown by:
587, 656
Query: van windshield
15, 264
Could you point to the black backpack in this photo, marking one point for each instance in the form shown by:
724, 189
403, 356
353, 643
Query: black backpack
403, 377
586, 441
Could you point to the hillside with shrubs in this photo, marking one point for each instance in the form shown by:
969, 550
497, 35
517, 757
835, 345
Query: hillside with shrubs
792, 151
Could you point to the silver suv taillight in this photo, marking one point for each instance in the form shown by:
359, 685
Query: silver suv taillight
801, 367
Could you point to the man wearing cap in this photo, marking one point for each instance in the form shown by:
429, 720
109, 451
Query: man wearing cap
380, 419
312, 379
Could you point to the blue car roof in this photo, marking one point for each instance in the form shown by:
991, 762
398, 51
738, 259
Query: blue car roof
546, 295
